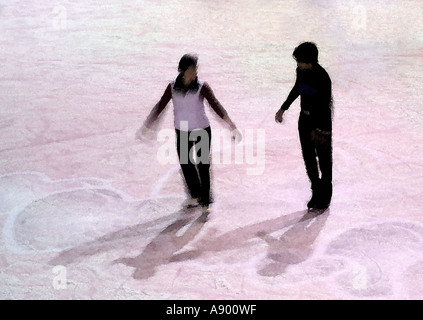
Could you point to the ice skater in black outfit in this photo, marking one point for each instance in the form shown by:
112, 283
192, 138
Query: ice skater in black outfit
314, 86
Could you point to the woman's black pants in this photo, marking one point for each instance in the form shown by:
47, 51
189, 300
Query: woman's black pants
194, 157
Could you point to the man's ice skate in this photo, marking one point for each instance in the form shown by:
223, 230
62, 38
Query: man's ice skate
319, 206
322, 195
312, 203
315, 189
317, 210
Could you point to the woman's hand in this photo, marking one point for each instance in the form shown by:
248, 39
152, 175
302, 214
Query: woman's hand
141, 133
236, 135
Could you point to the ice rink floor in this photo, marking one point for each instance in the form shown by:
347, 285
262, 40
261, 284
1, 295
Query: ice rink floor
89, 212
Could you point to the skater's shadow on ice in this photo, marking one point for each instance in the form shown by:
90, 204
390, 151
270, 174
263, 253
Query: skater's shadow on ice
297, 233
289, 239
118, 239
161, 249
294, 246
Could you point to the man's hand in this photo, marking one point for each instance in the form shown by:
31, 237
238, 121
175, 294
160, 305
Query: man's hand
279, 115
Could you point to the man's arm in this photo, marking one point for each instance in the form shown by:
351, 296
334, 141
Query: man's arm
289, 100
323, 116
294, 94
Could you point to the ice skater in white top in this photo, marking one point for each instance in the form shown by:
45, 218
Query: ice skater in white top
193, 132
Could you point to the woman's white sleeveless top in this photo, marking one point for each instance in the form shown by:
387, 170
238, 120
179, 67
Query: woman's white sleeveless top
188, 109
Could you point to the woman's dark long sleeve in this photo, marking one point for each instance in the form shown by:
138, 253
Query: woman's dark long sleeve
159, 107
207, 93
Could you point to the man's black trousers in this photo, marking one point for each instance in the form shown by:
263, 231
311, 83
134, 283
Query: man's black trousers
317, 159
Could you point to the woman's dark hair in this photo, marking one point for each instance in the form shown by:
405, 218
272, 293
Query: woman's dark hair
186, 61
306, 52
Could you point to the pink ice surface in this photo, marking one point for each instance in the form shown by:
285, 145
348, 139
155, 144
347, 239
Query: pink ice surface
88, 212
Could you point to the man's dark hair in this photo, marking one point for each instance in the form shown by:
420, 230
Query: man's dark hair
306, 52
187, 61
